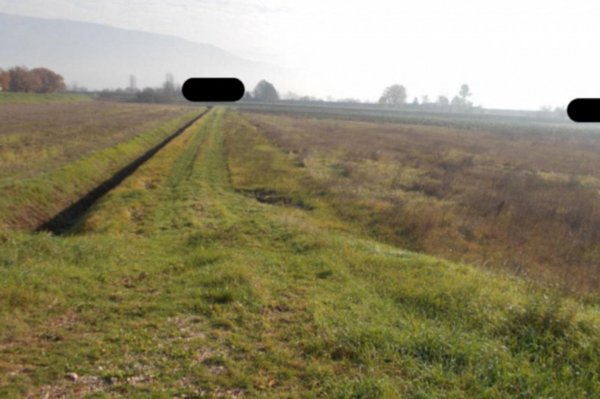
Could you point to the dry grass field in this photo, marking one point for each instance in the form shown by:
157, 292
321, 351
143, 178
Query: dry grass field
520, 197
38, 137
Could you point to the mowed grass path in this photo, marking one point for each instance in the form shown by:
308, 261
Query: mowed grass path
179, 283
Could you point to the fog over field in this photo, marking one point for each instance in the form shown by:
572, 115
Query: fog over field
513, 55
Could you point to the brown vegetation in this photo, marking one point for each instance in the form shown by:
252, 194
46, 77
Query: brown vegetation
37, 80
519, 197
4, 80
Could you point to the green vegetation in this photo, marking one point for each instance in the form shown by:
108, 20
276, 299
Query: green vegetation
37, 138
218, 269
36, 98
45, 170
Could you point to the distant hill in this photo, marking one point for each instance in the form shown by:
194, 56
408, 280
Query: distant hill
98, 56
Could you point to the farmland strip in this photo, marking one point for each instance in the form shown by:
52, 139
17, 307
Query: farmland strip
65, 219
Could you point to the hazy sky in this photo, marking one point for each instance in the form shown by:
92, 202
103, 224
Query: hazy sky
513, 53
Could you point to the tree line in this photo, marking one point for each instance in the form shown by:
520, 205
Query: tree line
395, 96
392, 96
37, 80
168, 92
171, 92
263, 91
44, 80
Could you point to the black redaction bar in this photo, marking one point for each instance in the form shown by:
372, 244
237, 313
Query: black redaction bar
584, 110
213, 89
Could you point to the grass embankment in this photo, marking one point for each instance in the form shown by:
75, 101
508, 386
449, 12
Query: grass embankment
180, 283
27, 202
519, 197
35, 98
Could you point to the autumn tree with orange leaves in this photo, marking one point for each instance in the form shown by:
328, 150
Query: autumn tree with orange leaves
37, 80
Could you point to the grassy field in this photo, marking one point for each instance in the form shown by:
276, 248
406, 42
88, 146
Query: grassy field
36, 138
521, 197
52, 154
219, 269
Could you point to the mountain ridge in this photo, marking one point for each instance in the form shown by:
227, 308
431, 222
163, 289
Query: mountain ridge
99, 56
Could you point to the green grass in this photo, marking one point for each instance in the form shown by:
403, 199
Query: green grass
37, 138
179, 283
27, 202
35, 98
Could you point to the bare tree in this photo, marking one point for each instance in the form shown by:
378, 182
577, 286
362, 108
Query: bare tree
132, 84
169, 85
462, 99
443, 101
394, 95
465, 93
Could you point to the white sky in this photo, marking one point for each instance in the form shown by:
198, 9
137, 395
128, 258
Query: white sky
513, 53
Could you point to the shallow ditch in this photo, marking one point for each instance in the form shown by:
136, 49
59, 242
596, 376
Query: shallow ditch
273, 197
62, 222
